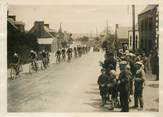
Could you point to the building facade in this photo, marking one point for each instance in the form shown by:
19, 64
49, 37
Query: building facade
46, 37
18, 25
148, 23
121, 36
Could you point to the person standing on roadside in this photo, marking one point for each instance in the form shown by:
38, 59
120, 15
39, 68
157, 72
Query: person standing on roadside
139, 83
102, 82
124, 88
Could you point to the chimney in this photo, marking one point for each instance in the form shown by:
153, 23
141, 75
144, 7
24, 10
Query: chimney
47, 25
39, 23
13, 17
40, 27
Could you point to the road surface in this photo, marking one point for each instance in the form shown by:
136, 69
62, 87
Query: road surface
67, 87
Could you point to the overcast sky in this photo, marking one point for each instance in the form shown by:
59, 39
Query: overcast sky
77, 18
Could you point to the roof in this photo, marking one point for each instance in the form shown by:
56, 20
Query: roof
45, 40
122, 32
19, 23
11, 21
147, 8
48, 31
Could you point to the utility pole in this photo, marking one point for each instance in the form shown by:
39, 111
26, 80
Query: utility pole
133, 26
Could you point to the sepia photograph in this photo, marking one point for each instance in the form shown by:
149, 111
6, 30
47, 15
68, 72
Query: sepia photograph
83, 58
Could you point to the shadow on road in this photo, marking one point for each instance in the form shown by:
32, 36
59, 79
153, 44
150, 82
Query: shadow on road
152, 110
92, 92
153, 85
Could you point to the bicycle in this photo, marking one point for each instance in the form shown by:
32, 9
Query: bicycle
44, 63
69, 57
63, 57
15, 70
58, 59
33, 66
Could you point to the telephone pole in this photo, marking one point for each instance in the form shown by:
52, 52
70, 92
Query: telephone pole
133, 26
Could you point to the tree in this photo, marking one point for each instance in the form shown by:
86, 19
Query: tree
108, 43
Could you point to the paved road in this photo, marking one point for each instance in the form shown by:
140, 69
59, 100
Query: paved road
66, 87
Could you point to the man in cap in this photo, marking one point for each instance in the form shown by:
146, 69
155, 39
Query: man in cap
16, 62
139, 82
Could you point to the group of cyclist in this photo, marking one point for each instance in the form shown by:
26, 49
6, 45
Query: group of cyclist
43, 56
77, 51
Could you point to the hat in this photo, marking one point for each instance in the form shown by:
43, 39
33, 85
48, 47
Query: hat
15, 54
127, 66
140, 63
123, 63
31, 51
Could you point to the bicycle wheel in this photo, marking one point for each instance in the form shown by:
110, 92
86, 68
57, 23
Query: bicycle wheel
31, 68
36, 67
12, 74
21, 68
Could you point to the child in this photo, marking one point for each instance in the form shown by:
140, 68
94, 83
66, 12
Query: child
102, 82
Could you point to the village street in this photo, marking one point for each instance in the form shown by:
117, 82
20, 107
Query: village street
67, 87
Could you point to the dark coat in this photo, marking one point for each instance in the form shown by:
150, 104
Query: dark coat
110, 61
124, 85
102, 82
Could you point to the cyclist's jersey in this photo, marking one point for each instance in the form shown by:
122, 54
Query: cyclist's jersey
33, 55
69, 51
63, 51
15, 59
47, 54
58, 53
44, 55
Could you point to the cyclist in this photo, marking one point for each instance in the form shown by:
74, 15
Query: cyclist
44, 58
63, 54
58, 56
48, 57
79, 51
33, 56
16, 62
69, 53
75, 52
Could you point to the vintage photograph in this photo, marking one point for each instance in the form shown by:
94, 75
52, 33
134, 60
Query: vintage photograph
83, 58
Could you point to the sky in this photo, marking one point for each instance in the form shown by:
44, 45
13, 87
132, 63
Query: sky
76, 18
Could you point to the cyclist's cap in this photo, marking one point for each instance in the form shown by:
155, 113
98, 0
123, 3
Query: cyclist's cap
15, 54
31, 51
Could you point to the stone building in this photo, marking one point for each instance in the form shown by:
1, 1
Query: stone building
18, 25
148, 22
46, 37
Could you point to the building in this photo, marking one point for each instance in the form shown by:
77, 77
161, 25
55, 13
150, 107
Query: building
148, 22
18, 25
46, 37
121, 36
63, 37
130, 39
